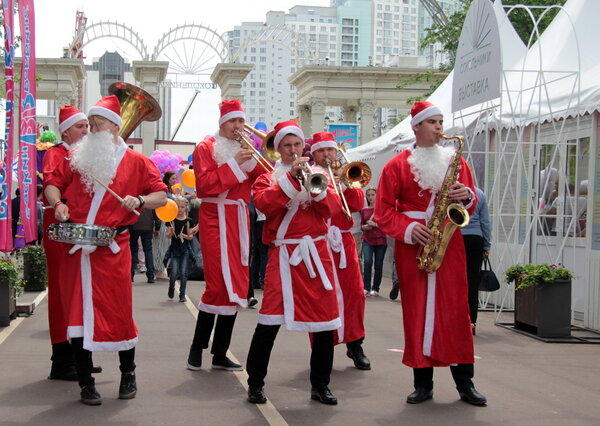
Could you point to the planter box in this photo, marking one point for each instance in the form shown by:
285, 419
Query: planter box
8, 304
544, 310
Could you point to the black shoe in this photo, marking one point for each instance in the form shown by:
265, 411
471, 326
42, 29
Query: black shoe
127, 387
194, 361
252, 301
357, 355
171, 292
256, 395
323, 395
394, 291
90, 396
419, 395
150, 279
67, 373
182, 298
96, 369
224, 363
474, 328
473, 397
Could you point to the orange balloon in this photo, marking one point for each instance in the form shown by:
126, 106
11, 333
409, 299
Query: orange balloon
189, 178
168, 212
177, 189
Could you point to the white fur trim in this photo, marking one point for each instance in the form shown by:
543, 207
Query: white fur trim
249, 165
271, 319
106, 113
294, 130
218, 310
323, 144
429, 314
472, 198
426, 113
321, 196
408, 233
237, 171
74, 331
232, 114
70, 121
287, 186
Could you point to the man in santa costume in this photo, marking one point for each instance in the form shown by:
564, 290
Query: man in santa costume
347, 268
437, 328
225, 172
299, 287
73, 126
96, 280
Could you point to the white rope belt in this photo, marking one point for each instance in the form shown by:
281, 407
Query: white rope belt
334, 237
242, 224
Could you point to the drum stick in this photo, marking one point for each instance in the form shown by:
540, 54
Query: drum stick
113, 193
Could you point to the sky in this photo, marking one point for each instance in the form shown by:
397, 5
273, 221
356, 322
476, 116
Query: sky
55, 26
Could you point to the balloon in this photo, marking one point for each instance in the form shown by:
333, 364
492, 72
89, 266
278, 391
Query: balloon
188, 178
261, 125
177, 189
168, 212
190, 158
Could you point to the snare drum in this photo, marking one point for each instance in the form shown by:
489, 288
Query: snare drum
82, 234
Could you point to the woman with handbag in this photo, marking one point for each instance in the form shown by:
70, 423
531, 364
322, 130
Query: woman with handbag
477, 236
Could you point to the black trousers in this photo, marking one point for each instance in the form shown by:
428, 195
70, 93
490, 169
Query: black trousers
474, 255
223, 332
83, 361
321, 358
461, 373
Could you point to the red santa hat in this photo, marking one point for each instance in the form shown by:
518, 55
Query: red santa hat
322, 140
108, 107
67, 116
286, 128
231, 109
422, 110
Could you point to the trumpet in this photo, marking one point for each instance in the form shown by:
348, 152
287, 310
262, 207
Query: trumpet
315, 183
243, 139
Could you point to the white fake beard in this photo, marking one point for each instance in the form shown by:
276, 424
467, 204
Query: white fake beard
429, 166
225, 149
95, 156
302, 199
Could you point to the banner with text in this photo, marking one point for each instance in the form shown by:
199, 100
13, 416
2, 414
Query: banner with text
345, 134
478, 65
6, 237
27, 123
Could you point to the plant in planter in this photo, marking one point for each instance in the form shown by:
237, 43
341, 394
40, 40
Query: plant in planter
542, 299
11, 287
35, 271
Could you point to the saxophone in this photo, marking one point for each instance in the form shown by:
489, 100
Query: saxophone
446, 217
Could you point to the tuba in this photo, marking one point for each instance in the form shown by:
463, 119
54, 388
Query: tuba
446, 217
137, 105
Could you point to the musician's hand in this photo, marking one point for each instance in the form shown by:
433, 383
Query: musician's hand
61, 212
243, 155
421, 234
130, 203
372, 223
299, 165
459, 192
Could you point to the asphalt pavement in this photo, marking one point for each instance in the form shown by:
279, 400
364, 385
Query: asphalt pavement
527, 382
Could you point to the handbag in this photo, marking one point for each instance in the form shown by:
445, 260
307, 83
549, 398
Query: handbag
487, 278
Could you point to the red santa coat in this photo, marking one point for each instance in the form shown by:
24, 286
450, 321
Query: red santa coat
299, 282
55, 252
437, 327
96, 281
351, 295
224, 191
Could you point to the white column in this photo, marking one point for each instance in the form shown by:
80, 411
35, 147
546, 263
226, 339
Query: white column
366, 122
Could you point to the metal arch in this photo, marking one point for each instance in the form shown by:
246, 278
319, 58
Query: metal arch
436, 12
195, 32
107, 29
283, 36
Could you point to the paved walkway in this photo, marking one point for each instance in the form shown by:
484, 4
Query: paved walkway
527, 382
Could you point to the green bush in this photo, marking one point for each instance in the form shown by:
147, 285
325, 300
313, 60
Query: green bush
35, 272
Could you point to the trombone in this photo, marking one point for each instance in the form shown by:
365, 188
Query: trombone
339, 191
354, 174
244, 139
268, 146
